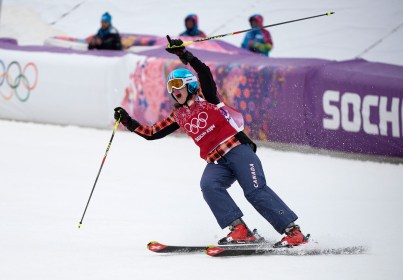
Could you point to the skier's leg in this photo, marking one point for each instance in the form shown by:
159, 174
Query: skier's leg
249, 172
215, 181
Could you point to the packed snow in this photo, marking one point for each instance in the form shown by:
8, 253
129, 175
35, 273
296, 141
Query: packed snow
149, 190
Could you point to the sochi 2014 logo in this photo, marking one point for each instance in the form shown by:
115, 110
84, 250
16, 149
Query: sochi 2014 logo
17, 80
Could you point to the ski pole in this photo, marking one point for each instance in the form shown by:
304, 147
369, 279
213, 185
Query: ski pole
99, 172
246, 30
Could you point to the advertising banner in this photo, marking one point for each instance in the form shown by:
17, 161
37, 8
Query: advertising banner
356, 106
67, 89
349, 106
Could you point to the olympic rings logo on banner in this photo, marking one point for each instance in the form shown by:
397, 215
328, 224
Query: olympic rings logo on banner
197, 123
17, 78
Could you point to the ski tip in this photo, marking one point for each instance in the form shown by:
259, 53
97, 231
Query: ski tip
330, 13
155, 246
213, 250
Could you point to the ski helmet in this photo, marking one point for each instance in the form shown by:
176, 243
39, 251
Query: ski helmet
181, 77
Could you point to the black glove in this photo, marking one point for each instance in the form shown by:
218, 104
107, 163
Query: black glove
184, 55
125, 119
175, 42
122, 114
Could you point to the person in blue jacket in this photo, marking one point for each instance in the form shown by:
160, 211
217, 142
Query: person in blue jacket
192, 27
258, 41
107, 37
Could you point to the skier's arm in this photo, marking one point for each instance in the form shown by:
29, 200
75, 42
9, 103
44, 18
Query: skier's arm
156, 131
206, 79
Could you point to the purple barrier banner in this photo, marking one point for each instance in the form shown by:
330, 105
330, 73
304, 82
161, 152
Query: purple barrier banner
356, 106
349, 106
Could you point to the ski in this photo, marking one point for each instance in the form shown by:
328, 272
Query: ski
248, 249
157, 247
302, 250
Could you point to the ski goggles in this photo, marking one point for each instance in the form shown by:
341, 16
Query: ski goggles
179, 83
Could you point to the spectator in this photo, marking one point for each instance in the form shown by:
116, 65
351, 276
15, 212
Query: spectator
108, 37
192, 28
258, 41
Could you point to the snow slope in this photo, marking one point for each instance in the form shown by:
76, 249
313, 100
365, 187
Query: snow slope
150, 190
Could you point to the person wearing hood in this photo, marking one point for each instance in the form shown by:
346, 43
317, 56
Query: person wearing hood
107, 37
192, 28
258, 41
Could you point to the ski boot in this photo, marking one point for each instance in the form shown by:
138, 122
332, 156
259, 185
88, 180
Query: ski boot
240, 234
293, 237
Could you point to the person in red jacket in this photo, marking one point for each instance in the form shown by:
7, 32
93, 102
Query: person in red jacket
230, 154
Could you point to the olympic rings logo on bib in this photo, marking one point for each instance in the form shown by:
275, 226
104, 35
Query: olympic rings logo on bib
197, 123
16, 77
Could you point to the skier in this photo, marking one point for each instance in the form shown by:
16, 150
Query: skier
229, 152
192, 27
258, 41
107, 37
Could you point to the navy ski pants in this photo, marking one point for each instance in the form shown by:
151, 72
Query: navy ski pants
243, 165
